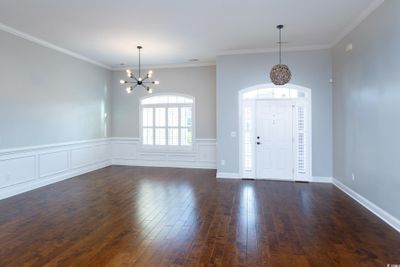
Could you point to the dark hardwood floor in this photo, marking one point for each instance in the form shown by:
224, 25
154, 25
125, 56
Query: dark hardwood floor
138, 216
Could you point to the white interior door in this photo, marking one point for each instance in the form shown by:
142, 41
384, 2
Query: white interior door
274, 139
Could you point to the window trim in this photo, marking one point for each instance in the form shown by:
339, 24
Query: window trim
168, 148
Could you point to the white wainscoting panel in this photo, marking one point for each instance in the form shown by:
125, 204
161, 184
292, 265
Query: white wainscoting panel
16, 170
129, 151
27, 168
53, 163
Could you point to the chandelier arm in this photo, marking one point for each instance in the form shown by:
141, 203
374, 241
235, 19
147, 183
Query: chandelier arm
133, 78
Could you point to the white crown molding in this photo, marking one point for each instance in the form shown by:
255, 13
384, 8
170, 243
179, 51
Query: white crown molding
46, 44
167, 66
273, 50
371, 8
357, 21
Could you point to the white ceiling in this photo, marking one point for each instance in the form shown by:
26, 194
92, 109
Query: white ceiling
174, 31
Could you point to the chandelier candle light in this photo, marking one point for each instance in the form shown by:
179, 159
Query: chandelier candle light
144, 82
280, 73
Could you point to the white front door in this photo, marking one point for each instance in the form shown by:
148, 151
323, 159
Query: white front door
274, 139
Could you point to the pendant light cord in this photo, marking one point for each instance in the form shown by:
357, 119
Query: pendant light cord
139, 64
280, 46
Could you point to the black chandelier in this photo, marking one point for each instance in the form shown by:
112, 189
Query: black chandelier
145, 82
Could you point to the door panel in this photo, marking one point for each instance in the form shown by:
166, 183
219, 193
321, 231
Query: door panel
274, 132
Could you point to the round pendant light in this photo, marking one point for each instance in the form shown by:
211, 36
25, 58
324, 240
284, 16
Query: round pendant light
280, 74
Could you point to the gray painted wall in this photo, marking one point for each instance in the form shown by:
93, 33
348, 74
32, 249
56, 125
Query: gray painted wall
195, 81
366, 108
310, 69
48, 97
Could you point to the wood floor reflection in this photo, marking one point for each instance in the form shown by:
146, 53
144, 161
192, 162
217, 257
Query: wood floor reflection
139, 216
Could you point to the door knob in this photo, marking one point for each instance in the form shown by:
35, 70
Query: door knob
258, 143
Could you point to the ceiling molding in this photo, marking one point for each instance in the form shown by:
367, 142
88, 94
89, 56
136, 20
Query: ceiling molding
364, 14
357, 21
169, 66
46, 44
273, 50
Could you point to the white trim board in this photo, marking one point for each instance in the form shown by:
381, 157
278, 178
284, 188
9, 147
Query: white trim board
357, 21
168, 66
129, 152
228, 175
321, 179
273, 50
384, 215
233, 175
49, 45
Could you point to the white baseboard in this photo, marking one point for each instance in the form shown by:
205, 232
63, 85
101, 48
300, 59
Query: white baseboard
232, 175
320, 179
385, 216
228, 175
166, 164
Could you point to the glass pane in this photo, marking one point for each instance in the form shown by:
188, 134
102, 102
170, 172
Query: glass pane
160, 117
281, 92
301, 94
188, 100
265, 93
247, 138
160, 136
147, 117
173, 136
180, 99
166, 99
173, 117
147, 136
186, 136
186, 117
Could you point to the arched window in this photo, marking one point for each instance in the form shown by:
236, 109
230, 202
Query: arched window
167, 121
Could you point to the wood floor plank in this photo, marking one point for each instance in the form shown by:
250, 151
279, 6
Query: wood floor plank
142, 216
